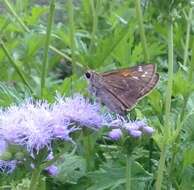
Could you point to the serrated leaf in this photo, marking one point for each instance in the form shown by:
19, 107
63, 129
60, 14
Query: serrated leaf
71, 169
112, 176
181, 86
155, 99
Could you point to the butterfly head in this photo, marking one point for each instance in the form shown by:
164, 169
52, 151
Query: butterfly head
94, 78
88, 74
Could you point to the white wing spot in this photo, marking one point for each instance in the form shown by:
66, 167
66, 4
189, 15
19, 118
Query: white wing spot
143, 75
135, 78
140, 69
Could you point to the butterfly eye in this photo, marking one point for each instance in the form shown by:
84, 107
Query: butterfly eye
88, 75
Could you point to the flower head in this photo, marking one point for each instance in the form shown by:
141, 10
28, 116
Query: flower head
28, 125
115, 134
35, 124
138, 128
32, 125
134, 128
52, 170
79, 110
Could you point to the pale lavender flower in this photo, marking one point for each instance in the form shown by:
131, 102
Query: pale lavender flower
7, 166
131, 126
52, 170
3, 146
148, 130
115, 123
28, 125
33, 126
50, 156
144, 127
135, 133
134, 128
115, 134
79, 111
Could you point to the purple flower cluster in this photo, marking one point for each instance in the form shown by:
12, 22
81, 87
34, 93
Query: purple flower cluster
7, 166
34, 124
52, 169
134, 129
79, 110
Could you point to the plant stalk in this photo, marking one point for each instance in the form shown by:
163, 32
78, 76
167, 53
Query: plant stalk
167, 126
161, 168
142, 30
94, 24
191, 67
35, 179
11, 9
23, 25
186, 48
72, 33
46, 48
170, 75
128, 172
15, 66
88, 153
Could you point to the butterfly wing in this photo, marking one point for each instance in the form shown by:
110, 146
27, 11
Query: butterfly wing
130, 85
111, 101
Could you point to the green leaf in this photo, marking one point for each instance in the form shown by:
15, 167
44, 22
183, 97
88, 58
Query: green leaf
112, 176
181, 86
71, 169
107, 46
9, 94
188, 158
35, 15
155, 99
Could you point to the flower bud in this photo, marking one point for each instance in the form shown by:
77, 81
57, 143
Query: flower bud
115, 134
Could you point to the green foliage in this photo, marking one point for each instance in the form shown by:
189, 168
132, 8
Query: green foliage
107, 36
71, 169
111, 176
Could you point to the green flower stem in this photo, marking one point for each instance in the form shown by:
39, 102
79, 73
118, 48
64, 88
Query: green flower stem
15, 66
46, 48
161, 168
186, 49
167, 108
94, 26
191, 68
88, 152
142, 30
37, 171
35, 179
72, 32
170, 75
23, 25
190, 78
128, 173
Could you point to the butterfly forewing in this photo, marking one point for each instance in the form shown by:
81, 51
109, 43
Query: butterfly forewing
121, 89
130, 85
